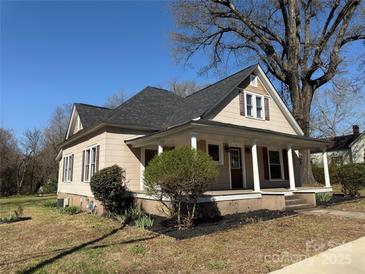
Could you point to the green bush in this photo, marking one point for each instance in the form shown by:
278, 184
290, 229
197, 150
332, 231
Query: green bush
108, 186
318, 173
144, 221
50, 187
323, 197
13, 217
352, 178
71, 210
182, 175
50, 203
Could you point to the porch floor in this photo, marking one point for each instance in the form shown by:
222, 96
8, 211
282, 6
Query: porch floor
279, 190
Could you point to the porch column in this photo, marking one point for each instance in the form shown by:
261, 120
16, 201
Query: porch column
194, 141
159, 149
326, 172
291, 168
255, 167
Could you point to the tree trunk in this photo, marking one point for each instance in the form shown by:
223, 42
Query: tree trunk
301, 112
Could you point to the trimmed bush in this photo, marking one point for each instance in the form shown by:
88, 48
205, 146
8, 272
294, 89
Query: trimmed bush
71, 210
182, 175
50, 203
108, 186
352, 178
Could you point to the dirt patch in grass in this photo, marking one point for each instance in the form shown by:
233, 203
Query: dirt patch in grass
51, 242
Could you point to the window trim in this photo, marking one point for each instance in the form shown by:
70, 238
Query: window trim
220, 145
281, 163
67, 171
254, 106
85, 151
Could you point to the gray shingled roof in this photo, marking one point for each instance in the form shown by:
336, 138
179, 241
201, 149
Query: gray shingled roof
197, 104
149, 108
91, 115
158, 109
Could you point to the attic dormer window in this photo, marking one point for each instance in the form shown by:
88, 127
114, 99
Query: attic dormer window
253, 80
79, 125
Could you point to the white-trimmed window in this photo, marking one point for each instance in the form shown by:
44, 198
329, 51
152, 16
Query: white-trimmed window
78, 123
215, 151
89, 163
253, 80
254, 105
275, 164
68, 163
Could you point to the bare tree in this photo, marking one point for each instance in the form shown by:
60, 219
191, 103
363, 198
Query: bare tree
301, 43
183, 88
335, 110
32, 144
9, 151
55, 132
115, 100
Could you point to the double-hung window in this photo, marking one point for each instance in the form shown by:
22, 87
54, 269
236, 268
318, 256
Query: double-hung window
67, 168
254, 105
89, 163
275, 165
215, 152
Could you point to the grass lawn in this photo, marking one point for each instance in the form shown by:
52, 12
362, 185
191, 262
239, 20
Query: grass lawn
52, 242
358, 205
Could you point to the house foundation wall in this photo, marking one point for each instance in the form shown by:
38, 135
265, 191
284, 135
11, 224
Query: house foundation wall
82, 202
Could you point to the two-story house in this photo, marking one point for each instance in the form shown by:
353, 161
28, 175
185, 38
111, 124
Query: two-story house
240, 121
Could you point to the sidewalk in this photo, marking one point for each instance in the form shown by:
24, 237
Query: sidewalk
334, 212
348, 258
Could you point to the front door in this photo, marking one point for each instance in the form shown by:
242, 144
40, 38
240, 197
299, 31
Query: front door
236, 168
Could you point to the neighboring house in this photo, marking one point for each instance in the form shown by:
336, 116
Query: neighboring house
240, 121
344, 149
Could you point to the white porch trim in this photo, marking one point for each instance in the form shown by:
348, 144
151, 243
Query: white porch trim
255, 167
291, 168
326, 171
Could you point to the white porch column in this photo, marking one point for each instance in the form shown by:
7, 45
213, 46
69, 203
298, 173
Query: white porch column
255, 167
159, 149
291, 168
194, 141
326, 171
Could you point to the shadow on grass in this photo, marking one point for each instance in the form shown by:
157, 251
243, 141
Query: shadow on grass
214, 225
86, 245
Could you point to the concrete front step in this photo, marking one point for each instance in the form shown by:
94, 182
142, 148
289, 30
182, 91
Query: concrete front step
294, 202
298, 206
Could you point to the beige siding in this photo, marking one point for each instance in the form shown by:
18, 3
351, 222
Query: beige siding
77, 186
113, 150
117, 152
231, 114
222, 181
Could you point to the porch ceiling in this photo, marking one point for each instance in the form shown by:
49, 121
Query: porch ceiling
227, 133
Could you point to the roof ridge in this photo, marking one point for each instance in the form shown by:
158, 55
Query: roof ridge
95, 106
221, 80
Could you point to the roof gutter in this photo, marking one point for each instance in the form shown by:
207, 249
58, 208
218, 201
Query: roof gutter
83, 133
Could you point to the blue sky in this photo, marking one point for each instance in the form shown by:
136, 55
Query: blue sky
53, 53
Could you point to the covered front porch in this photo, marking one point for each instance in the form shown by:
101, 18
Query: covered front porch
248, 159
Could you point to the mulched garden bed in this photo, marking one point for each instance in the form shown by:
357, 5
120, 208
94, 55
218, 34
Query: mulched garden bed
207, 226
